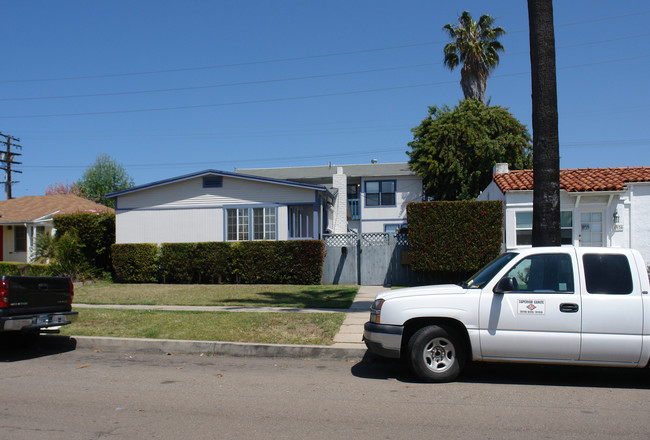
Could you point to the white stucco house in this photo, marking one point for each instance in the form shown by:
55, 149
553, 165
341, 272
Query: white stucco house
599, 206
267, 204
366, 198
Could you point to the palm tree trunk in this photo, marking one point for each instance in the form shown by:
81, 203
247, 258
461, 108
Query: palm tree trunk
546, 144
473, 84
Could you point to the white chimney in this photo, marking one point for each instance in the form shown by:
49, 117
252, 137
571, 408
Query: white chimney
500, 168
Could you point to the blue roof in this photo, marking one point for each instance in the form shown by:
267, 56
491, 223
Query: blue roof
214, 173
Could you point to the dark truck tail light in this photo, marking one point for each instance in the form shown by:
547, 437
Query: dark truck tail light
71, 291
4, 294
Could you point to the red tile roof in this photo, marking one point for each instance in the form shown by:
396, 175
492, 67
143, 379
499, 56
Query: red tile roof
577, 180
28, 208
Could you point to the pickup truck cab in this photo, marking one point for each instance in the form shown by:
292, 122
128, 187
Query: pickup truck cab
559, 305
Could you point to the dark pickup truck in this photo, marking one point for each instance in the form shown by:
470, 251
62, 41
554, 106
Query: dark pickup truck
34, 305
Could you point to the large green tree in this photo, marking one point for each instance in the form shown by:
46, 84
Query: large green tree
474, 44
102, 177
454, 150
546, 160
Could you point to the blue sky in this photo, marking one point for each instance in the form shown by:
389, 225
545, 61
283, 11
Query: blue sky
172, 87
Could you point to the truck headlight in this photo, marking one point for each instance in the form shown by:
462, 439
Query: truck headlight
375, 311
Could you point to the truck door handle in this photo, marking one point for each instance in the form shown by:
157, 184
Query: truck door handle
569, 308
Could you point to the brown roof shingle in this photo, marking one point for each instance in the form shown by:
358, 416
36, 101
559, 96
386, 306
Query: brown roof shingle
577, 180
28, 208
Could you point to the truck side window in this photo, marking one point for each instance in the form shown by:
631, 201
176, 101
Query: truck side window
608, 273
551, 273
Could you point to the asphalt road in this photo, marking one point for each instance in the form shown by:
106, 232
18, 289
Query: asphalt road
57, 392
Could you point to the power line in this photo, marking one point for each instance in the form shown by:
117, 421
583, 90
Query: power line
296, 78
298, 98
300, 58
576, 144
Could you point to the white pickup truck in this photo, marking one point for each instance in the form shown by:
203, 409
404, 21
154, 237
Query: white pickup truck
560, 305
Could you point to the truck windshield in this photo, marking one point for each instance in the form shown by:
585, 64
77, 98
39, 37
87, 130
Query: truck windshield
483, 276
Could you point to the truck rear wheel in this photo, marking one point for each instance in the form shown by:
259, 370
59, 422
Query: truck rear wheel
436, 354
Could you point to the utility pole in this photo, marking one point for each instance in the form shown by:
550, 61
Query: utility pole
7, 159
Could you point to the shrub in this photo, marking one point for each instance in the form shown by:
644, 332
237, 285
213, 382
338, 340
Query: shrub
95, 234
135, 263
195, 262
9, 268
279, 262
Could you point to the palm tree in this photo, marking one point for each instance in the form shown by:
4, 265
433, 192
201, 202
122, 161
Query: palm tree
475, 45
546, 142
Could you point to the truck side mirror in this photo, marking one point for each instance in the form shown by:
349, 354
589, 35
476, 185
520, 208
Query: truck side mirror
506, 284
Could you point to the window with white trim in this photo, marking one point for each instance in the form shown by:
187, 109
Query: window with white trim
380, 193
243, 224
264, 224
524, 227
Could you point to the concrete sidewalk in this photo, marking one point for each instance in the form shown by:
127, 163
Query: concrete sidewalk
348, 342
351, 333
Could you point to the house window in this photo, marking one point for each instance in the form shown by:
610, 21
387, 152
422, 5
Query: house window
524, 227
353, 191
20, 238
380, 193
239, 221
237, 224
263, 223
301, 221
394, 227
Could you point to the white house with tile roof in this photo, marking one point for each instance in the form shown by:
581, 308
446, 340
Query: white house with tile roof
23, 218
598, 206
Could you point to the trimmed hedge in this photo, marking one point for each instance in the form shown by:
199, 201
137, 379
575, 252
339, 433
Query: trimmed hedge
9, 268
96, 232
455, 238
251, 262
135, 263
195, 262
279, 262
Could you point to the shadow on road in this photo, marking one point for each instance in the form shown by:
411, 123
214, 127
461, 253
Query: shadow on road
14, 347
372, 367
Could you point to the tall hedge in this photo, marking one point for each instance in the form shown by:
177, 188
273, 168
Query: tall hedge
96, 233
454, 237
135, 263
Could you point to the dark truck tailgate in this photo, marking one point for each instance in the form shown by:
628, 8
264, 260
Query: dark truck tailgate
35, 295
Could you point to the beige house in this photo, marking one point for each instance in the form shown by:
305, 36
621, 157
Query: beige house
22, 219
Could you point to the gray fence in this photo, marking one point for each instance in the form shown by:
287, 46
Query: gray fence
373, 259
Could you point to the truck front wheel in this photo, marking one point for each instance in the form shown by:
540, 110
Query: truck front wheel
436, 354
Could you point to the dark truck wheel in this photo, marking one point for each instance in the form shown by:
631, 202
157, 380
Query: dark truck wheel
436, 354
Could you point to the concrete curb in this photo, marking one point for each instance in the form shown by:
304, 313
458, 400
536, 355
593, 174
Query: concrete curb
240, 349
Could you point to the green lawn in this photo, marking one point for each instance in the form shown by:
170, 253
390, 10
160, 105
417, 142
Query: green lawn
273, 328
261, 295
